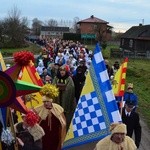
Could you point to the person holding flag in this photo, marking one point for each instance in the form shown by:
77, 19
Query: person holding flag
118, 84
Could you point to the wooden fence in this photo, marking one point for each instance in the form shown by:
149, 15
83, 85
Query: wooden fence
117, 53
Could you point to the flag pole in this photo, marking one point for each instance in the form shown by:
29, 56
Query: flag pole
0, 146
121, 106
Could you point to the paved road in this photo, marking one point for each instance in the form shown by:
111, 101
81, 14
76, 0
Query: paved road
145, 142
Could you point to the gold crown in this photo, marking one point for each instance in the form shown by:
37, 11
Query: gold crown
130, 85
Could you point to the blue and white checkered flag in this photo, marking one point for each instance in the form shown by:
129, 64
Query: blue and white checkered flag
96, 108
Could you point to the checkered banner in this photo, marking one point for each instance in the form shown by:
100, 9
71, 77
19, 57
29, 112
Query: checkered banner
96, 108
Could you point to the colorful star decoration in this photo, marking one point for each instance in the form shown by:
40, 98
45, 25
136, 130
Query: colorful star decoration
11, 88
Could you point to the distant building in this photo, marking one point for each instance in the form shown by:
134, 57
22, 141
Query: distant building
47, 31
136, 41
93, 28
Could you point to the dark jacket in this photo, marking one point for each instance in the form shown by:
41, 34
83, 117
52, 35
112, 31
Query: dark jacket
133, 125
27, 138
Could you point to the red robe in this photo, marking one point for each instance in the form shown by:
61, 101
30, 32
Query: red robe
52, 138
54, 124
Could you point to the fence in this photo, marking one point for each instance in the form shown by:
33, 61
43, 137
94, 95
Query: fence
117, 53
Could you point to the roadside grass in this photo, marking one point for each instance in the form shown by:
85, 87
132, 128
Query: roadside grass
138, 73
32, 47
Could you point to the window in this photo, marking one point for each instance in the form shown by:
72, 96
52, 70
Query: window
131, 43
95, 26
122, 42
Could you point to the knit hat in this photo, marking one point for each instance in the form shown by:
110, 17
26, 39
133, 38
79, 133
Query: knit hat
118, 128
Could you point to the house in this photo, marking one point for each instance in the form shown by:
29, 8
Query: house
93, 27
47, 31
136, 41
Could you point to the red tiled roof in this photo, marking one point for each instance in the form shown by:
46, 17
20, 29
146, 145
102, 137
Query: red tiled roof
92, 19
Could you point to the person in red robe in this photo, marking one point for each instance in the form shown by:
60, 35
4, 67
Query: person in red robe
52, 119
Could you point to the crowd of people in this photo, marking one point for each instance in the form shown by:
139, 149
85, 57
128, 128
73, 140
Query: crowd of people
68, 53
62, 66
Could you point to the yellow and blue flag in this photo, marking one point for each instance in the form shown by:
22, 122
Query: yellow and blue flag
96, 108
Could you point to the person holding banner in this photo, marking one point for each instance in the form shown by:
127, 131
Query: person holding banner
117, 140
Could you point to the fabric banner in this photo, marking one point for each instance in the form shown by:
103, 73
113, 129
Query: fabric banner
119, 79
2, 63
96, 108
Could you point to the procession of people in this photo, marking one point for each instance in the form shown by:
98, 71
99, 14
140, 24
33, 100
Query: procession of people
63, 66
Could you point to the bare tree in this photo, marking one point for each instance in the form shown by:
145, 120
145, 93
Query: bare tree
75, 26
102, 33
15, 28
1, 33
36, 26
52, 23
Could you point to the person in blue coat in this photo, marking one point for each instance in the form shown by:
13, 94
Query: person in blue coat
129, 95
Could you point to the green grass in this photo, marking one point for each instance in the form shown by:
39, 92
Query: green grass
138, 72
32, 47
106, 52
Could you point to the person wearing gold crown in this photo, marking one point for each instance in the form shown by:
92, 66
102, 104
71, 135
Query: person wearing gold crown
130, 96
52, 119
117, 140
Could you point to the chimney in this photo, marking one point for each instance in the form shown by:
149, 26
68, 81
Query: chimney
92, 16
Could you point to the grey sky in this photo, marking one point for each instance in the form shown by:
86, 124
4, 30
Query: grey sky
121, 14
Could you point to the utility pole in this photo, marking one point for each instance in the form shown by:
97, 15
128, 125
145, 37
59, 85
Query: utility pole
142, 21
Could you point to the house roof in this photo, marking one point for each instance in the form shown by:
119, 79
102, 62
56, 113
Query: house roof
137, 32
92, 19
47, 28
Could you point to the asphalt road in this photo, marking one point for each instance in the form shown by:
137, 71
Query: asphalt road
145, 141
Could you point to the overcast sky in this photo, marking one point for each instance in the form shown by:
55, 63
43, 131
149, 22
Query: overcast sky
121, 14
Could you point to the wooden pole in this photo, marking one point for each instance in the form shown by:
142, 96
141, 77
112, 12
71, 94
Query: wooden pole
121, 106
11, 121
0, 146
